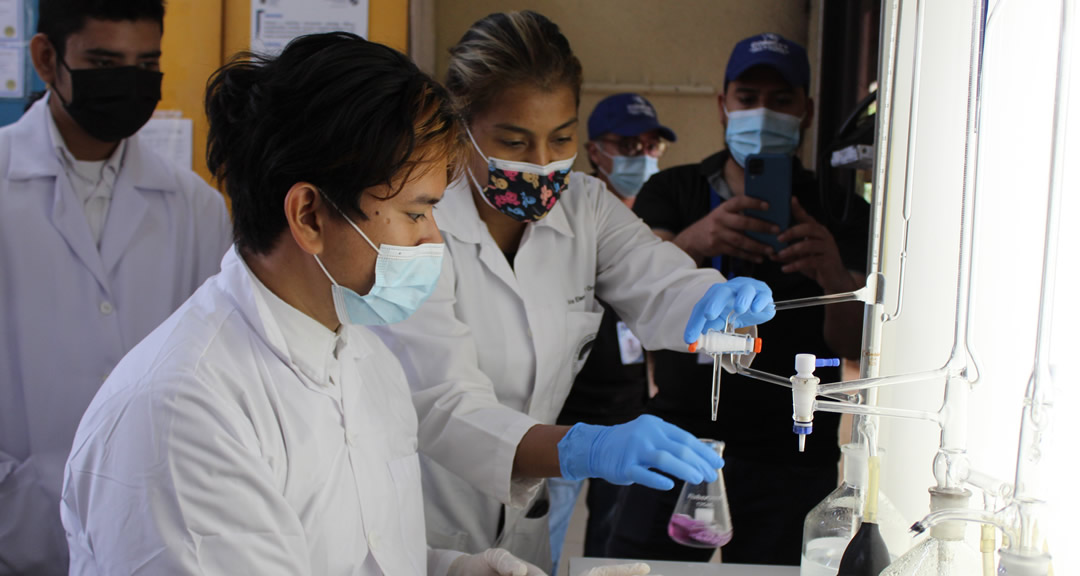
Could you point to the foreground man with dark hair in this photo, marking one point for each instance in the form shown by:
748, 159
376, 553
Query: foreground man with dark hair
263, 429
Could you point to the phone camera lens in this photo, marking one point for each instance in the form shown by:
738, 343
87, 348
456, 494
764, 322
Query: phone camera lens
757, 166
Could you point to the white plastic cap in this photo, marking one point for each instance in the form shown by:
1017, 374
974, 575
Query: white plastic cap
804, 365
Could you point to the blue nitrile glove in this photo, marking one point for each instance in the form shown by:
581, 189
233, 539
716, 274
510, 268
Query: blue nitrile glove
624, 454
750, 299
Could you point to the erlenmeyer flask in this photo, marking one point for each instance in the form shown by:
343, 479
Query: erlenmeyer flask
701, 518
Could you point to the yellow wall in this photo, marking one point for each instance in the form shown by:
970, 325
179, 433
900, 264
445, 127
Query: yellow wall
191, 51
201, 35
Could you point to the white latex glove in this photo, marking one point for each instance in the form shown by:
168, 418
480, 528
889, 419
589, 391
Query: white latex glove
495, 562
635, 569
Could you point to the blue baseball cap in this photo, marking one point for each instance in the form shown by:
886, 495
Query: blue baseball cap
626, 114
774, 51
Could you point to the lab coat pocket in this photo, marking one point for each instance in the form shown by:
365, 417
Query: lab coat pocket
526, 534
405, 473
581, 330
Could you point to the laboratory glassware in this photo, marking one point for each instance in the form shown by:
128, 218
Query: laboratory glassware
716, 343
701, 518
831, 524
945, 551
866, 554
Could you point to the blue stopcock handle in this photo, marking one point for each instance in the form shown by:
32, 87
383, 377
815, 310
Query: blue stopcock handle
826, 362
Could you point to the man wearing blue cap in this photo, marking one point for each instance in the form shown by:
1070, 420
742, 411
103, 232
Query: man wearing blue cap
765, 108
626, 140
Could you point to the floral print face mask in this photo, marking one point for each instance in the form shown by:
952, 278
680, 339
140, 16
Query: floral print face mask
523, 191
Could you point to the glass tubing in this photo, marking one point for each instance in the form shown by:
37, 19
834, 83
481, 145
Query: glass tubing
961, 370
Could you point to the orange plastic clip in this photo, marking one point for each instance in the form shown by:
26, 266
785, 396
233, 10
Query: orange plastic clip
693, 347
757, 345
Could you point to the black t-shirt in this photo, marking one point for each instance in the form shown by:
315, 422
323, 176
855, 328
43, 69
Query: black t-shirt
606, 391
754, 417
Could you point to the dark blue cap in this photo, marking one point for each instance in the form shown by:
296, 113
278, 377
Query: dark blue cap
774, 51
626, 114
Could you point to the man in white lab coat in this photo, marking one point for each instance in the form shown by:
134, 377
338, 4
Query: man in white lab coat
262, 428
100, 240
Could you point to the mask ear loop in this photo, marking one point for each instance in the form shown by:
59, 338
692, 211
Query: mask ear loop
468, 169
325, 271
601, 150
64, 64
347, 219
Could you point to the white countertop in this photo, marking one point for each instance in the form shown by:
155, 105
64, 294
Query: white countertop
664, 568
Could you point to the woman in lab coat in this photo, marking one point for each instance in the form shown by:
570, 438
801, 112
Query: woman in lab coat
530, 245
262, 429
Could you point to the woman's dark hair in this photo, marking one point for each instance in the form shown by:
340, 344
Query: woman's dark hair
508, 49
333, 110
58, 19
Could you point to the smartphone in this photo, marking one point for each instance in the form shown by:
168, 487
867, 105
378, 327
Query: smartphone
768, 178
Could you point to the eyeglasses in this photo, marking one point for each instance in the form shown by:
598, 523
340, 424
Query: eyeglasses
637, 145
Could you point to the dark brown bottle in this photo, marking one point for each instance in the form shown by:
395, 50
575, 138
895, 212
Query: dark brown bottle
866, 554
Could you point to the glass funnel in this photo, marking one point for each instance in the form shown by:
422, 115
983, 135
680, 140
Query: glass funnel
701, 518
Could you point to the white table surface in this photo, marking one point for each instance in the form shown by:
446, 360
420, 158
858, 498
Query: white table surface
664, 568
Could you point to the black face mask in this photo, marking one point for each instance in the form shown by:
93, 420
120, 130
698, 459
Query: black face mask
112, 103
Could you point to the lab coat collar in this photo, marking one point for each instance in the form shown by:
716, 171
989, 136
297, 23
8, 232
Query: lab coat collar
35, 156
140, 170
295, 338
68, 161
457, 215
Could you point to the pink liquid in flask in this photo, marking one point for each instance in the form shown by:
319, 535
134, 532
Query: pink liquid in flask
696, 533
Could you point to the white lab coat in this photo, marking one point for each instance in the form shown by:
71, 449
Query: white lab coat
69, 311
495, 350
239, 439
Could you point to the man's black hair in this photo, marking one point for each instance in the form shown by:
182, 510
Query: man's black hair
333, 110
58, 19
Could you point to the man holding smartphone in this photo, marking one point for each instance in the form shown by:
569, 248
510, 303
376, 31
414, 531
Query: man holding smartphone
707, 211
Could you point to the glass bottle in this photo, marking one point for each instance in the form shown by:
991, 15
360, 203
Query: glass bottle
830, 525
701, 518
866, 554
945, 551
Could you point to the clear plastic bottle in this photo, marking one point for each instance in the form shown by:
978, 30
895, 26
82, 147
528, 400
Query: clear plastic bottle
702, 518
945, 551
831, 524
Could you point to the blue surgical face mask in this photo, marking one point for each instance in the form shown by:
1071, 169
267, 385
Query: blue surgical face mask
629, 173
761, 131
404, 278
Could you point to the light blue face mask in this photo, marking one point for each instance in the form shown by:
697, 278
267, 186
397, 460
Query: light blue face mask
404, 278
629, 173
761, 131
